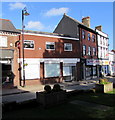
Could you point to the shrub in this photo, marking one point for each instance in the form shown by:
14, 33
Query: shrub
103, 81
56, 88
47, 89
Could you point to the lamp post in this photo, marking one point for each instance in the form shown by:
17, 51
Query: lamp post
24, 12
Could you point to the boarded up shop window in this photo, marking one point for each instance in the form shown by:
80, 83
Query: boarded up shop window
52, 69
32, 71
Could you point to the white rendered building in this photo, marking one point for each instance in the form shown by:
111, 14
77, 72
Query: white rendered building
112, 63
102, 43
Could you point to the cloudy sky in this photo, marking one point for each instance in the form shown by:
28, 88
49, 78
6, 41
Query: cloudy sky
44, 16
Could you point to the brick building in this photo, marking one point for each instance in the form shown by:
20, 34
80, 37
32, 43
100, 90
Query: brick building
49, 58
88, 43
8, 53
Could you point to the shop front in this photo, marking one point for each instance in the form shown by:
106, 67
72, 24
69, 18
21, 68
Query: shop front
92, 68
6, 62
104, 67
50, 70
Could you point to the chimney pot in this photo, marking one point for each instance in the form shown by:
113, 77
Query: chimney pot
99, 27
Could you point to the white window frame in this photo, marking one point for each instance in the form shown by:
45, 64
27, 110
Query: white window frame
66, 44
93, 38
50, 43
89, 36
3, 41
30, 47
89, 50
84, 49
94, 51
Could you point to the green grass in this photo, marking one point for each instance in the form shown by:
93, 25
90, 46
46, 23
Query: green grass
99, 98
111, 92
68, 110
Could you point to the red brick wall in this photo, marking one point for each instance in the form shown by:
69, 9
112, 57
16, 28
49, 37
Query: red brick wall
12, 39
40, 42
88, 43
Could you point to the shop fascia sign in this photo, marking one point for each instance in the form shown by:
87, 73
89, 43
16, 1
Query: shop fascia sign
104, 62
92, 62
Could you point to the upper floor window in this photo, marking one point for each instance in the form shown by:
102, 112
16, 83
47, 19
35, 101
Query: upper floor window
100, 51
84, 49
29, 44
94, 51
3, 41
100, 39
88, 36
103, 41
106, 42
50, 45
67, 47
83, 34
89, 50
93, 38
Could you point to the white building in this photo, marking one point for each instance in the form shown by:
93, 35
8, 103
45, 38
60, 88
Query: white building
112, 63
102, 42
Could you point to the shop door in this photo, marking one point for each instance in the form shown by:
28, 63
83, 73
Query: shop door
6, 73
73, 73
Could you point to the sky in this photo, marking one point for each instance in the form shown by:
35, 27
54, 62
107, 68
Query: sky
45, 16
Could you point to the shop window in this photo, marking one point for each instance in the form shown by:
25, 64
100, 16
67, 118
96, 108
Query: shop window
94, 71
50, 45
67, 47
88, 71
52, 69
28, 44
3, 41
67, 70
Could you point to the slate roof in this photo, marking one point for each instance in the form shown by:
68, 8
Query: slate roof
7, 26
80, 23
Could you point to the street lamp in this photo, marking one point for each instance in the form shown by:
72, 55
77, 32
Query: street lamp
24, 12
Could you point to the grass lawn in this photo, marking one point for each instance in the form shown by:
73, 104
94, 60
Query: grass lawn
68, 110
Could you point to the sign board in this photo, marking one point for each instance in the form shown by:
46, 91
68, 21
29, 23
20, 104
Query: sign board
103, 62
92, 62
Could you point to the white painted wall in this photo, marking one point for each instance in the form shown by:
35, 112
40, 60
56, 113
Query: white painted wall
102, 45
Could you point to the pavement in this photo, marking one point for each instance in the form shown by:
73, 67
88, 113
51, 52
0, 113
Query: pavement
22, 94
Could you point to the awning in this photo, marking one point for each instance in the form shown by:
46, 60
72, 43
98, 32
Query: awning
6, 54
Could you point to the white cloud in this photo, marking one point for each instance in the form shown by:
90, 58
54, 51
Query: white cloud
35, 25
56, 11
17, 6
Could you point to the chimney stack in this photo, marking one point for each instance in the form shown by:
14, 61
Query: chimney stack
99, 28
86, 21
